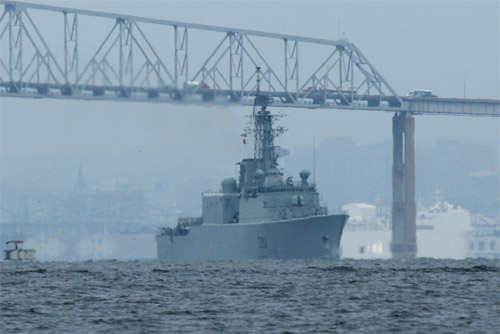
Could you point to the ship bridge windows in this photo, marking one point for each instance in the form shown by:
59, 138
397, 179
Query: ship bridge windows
493, 245
285, 189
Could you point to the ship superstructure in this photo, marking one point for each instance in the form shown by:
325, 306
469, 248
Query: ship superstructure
262, 215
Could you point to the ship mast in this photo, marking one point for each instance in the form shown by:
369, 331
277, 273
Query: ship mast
264, 151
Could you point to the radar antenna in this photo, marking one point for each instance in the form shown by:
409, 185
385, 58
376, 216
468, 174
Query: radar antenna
265, 153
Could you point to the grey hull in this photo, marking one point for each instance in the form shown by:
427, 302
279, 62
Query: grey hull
304, 238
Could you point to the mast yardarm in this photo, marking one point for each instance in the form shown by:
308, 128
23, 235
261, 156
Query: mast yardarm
264, 133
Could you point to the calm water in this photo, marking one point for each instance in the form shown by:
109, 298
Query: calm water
421, 296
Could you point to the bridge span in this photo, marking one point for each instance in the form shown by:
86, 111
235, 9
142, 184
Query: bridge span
104, 56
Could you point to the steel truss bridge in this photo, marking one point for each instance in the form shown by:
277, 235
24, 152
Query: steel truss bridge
98, 55
56, 52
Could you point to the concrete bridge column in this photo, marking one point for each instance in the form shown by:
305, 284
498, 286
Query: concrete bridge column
404, 234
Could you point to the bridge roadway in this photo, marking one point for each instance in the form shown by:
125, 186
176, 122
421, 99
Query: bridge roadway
310, 100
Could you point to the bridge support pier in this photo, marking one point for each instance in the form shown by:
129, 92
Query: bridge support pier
404, 215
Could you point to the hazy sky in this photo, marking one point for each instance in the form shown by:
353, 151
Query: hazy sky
415, 45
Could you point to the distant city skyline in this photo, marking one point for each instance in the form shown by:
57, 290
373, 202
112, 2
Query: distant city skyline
346, 172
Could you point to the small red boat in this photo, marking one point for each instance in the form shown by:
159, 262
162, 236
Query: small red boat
15, 252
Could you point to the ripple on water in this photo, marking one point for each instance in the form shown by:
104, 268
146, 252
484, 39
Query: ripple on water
251, 296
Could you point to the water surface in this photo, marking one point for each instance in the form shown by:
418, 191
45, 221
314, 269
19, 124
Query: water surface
265, 296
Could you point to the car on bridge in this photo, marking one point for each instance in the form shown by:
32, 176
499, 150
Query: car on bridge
421, 93
195, 86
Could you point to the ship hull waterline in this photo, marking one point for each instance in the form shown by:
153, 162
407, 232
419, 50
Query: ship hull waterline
316, 237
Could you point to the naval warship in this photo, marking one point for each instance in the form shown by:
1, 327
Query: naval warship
260, 216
